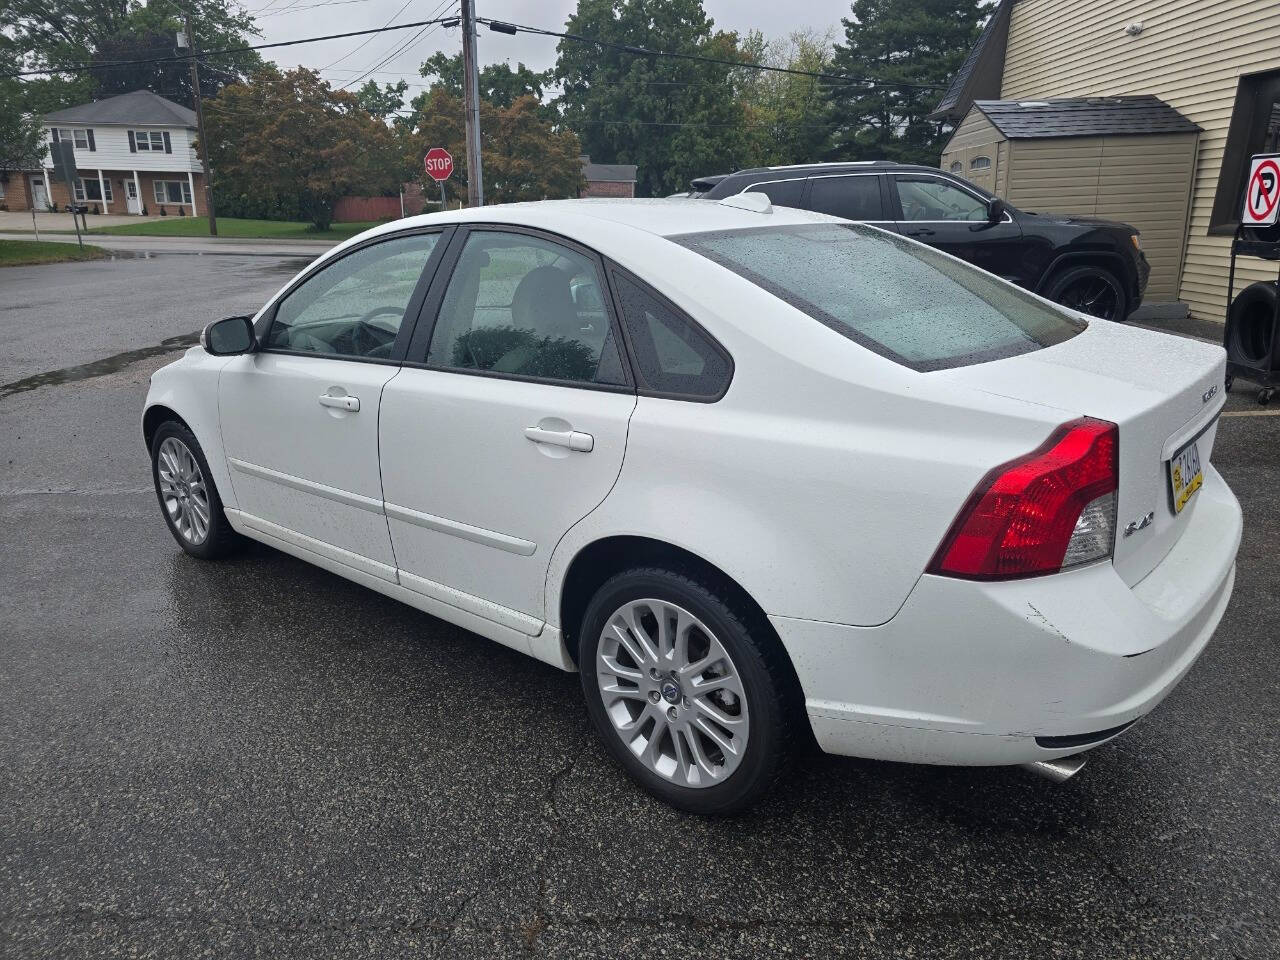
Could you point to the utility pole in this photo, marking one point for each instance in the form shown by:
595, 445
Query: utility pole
204, 145
471, 99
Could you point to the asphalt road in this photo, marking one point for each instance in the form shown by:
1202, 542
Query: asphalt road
258, 758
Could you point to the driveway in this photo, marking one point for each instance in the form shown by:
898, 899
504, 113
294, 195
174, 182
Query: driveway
216, 246
260, 758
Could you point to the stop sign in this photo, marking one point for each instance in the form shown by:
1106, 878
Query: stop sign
438, 163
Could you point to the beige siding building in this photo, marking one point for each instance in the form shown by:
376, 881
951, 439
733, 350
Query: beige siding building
1215, 62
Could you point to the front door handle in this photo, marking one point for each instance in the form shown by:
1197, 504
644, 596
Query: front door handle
342, 402
572, 439
919, 232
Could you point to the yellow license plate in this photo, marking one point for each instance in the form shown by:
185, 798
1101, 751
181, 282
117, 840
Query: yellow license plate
1185, 476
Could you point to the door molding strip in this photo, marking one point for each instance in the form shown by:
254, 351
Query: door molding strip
478, 606
465, 531
307, 486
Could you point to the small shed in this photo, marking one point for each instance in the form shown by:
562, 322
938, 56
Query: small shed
608, 179
1121, 158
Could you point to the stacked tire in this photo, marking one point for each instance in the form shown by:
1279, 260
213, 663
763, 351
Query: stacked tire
1249, 327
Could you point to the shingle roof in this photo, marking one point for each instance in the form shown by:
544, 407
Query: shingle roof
982, 71
140, 106
1084, 116
608, 172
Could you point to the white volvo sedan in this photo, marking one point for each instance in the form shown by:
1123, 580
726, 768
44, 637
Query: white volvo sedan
753, 472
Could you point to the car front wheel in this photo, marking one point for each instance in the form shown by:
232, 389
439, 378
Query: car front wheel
686, 689
1090, 290
188, 498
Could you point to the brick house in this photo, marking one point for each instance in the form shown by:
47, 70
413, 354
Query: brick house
134, 155
608, 179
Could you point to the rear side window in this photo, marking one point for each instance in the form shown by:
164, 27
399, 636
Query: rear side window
905, 301
673, 356
854, 198
784, 193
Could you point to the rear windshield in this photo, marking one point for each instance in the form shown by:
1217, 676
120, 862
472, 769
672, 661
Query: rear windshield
902, 300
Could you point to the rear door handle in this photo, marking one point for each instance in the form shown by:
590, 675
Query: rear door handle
572, 439
343, 402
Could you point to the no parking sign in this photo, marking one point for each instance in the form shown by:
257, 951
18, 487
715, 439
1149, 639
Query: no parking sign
1262, 193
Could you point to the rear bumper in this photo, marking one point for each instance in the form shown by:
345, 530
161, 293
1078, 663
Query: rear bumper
973, 673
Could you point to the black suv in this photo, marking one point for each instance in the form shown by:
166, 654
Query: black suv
1094, 266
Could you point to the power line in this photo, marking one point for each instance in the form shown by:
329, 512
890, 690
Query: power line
500, 26
363, 43
399, 50
81, 68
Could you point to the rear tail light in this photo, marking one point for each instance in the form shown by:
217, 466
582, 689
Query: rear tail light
1052, 509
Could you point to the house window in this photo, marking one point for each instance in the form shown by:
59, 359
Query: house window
78, 137
957, 167
91, 189
980, 163
173, 191
1255, 128
149, 140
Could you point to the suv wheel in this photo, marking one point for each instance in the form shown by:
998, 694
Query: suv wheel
686, 689
188, 499
1092, 290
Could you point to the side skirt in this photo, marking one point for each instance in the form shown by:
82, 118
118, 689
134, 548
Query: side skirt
547, 646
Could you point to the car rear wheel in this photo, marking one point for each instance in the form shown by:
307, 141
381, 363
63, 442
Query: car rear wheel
686, 689
1092, 290
188, 498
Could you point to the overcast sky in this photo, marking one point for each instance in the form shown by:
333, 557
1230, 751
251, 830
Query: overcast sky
342, 61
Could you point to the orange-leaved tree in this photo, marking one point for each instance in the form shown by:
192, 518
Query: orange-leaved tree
525, 156
287, 146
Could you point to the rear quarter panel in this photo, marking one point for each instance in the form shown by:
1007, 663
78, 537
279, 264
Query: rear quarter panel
823, 480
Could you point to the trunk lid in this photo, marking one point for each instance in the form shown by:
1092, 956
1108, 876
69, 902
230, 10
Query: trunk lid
1163, 391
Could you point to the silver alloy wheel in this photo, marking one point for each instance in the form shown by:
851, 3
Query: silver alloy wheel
672, 693
182, 490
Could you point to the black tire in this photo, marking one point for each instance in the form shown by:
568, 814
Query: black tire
219, 540
1090, 289
1249, 322
770, 690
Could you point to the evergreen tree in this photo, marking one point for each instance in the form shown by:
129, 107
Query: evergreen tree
911, 49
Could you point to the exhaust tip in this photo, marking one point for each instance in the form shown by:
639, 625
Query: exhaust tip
1058, 771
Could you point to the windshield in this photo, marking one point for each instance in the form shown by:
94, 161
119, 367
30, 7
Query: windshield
903, 300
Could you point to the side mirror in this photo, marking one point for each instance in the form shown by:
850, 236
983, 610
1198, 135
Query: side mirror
229, 336
995, 210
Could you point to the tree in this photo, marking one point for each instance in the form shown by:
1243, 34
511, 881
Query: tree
21, 136
497, 82
675, 119
382, 102
525, 157
286, 146
48, 34
899, 44
788, 116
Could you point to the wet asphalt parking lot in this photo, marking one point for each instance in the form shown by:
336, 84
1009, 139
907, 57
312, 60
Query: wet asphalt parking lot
258, 758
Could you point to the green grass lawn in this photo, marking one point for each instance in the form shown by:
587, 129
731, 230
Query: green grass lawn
21, 253
229, 227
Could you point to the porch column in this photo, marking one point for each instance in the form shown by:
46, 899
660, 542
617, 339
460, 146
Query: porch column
102, 191
191, 182
137, 185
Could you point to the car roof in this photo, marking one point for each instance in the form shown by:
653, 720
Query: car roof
663, 217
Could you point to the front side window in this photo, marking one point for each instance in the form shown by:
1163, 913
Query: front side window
525, 306
854, 198
928, 198
673, 355
902, 300
353, 307
784, 193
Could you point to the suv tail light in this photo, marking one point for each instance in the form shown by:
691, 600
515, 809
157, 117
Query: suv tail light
1038, 514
